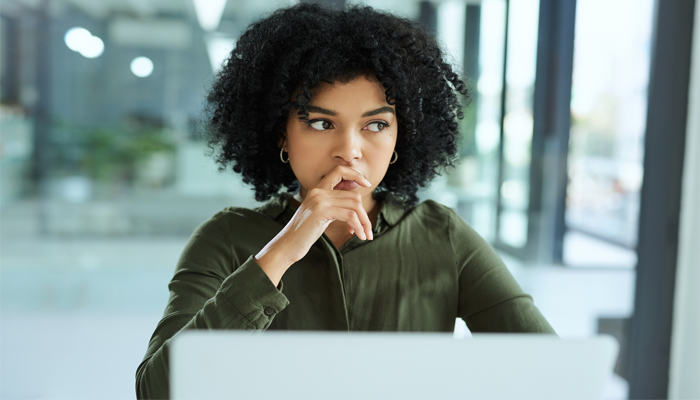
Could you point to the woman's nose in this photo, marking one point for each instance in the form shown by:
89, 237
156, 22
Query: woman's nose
349, 146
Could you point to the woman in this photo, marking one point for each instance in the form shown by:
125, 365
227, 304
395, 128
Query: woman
352, 111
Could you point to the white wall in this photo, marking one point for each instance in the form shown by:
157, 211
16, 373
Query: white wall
685, 340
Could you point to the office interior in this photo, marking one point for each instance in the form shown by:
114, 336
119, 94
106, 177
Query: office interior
580, 164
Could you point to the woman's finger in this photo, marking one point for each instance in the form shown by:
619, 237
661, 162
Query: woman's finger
341, 173
355, 205
344, 199
351, 218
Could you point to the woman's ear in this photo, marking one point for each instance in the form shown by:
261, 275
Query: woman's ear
283, 140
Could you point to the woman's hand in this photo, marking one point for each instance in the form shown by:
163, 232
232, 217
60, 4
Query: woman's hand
321, 206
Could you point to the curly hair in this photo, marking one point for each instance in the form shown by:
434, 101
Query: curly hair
295, 49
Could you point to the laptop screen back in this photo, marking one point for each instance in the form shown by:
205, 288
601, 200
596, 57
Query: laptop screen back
325, 365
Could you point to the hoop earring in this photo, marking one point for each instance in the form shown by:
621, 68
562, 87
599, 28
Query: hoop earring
281, 158
396, 157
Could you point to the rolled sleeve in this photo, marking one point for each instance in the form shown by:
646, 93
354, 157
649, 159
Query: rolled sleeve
210, 289
252, 294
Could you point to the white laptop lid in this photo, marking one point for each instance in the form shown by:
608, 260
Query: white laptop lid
326, 365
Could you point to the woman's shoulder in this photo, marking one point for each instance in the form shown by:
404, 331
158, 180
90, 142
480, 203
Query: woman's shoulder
236, 219
432, 211
434, 207
447, 219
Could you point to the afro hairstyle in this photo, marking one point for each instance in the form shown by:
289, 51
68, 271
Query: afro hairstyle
295, 49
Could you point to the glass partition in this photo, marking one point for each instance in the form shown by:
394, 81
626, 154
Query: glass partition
521, 63
473, 34
608, 117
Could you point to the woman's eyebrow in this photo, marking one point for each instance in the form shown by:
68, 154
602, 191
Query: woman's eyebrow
320, 110
381, 110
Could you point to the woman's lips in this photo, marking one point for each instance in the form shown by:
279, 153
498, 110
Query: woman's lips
346, 185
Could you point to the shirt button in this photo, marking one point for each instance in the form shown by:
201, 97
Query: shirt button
269, 311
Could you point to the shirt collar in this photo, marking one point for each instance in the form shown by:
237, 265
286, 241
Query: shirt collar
390, 213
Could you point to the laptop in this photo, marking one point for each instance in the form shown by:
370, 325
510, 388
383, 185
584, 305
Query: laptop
220, 364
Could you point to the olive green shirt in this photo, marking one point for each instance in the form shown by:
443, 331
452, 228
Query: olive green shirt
425, 267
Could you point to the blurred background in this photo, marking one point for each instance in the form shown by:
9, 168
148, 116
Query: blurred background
103, 179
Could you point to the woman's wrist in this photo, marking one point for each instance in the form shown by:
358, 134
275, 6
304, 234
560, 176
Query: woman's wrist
273, 261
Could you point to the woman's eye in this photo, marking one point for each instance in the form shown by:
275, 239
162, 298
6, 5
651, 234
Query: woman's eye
321, 125
377, 126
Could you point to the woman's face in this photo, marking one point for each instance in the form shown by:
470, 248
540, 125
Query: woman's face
349, 124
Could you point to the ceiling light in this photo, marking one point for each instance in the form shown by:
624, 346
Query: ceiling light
209, 13
76, 38
219, 48
93, 48
81, 40
141, 66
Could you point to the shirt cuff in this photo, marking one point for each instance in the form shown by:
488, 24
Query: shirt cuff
252, 293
